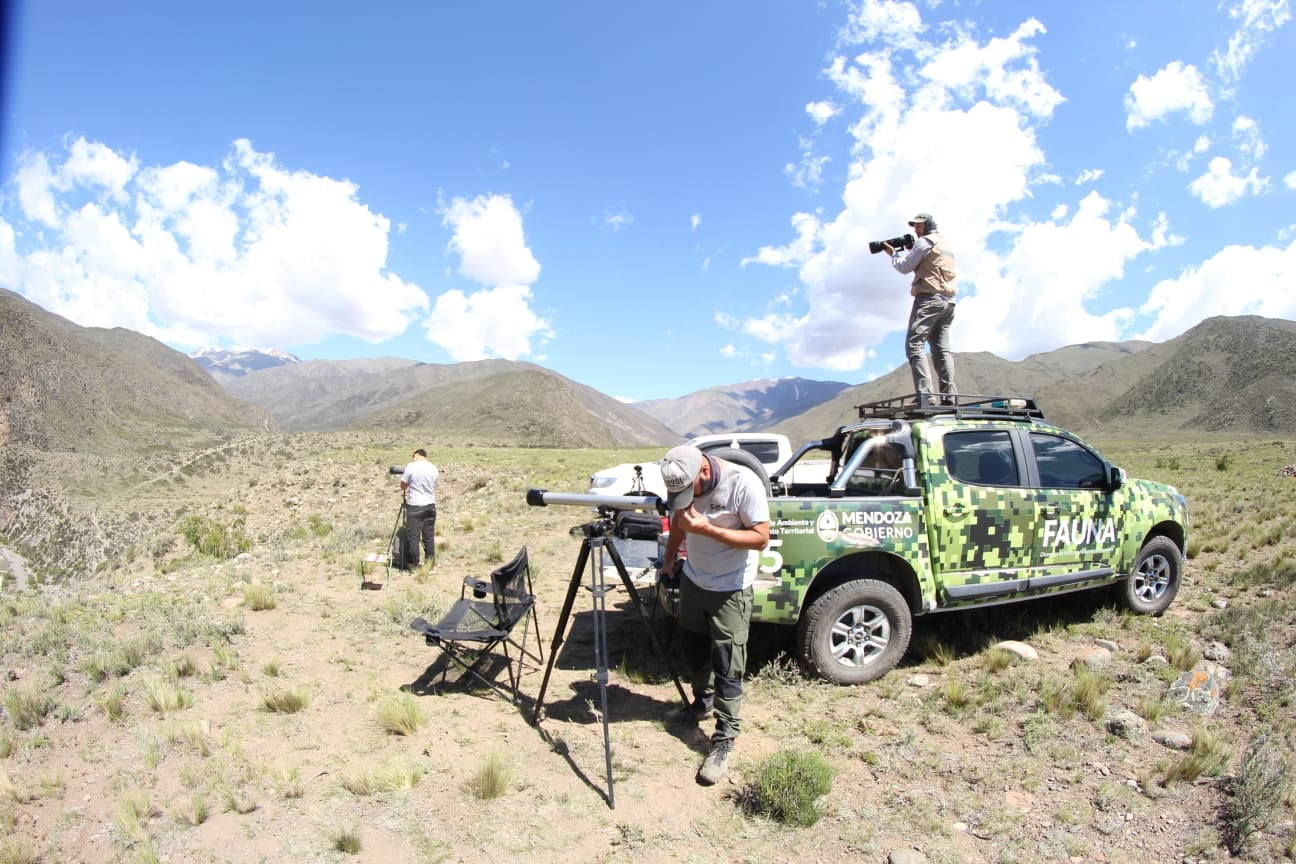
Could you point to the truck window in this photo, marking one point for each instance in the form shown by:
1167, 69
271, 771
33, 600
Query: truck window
766, 452
1064, 464
984, 458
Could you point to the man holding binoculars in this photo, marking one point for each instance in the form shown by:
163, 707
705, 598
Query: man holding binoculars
932, 264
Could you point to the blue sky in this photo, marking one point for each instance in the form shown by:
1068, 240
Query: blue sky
650, 199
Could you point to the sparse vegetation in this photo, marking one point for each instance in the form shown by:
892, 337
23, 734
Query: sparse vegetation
985, 737
787, 787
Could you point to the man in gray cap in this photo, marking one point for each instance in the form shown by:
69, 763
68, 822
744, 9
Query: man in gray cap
722, 508
934, 284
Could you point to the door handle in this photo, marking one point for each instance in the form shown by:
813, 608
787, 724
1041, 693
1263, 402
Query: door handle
955, 511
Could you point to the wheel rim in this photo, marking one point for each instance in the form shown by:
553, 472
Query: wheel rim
1152, 578
859, 636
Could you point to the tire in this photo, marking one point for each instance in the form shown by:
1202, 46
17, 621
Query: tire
855, 633
1154, 581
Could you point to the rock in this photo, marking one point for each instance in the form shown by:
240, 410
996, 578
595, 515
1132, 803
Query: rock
1217, 651
1220, 604
1156, 660
1021, 649
906, 856
1094, 657
1126, 724
1199, 689
919, 680
1173, 739
1108, 644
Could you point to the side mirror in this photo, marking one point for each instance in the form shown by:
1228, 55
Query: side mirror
1116, 478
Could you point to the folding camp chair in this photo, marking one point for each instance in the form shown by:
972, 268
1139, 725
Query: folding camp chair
484, 620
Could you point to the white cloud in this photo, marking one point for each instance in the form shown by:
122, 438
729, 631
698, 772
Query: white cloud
822, 112
493, 322
617, 219
497, 321
808, 174
1089, 175
694, 221
247, 252
882, 20
488, 236
1220, 186
1177, 87
1247, 138
1256, 21
1289, 180
1237, 280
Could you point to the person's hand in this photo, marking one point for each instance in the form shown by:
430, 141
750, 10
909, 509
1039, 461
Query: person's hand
692, 521
890, 250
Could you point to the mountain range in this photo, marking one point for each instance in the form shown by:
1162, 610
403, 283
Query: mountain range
66, 388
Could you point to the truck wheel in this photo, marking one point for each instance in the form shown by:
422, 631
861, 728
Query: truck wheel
854, 633
1154, 581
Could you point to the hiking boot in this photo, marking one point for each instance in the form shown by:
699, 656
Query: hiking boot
716, 766
694, 713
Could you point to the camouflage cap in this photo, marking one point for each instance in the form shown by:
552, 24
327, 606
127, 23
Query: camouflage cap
921, 218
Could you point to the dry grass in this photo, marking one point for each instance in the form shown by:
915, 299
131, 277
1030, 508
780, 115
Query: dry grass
992, 742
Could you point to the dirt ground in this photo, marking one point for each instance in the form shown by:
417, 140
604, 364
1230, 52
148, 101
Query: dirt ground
908, 775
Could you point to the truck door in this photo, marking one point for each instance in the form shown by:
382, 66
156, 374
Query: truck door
982, 517
1079, 521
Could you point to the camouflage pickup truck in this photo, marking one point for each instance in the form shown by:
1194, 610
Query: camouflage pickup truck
937, 509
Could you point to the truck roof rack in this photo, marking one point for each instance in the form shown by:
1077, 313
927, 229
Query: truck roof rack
960, 406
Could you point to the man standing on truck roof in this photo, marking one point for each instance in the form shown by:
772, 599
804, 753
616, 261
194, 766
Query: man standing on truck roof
723, 509
934, 284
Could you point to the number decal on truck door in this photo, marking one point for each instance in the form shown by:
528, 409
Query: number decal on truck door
771, 560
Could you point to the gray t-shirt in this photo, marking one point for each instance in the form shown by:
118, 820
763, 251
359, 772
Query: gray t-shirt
737, 501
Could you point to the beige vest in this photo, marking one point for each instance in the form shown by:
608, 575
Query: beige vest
935, 273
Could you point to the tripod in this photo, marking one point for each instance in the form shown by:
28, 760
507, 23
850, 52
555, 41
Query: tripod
596, 537
396, 533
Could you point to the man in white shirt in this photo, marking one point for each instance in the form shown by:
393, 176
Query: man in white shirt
419, 486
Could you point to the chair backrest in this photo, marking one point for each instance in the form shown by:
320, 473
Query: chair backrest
512, 582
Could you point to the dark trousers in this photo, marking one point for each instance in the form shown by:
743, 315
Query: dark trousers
420, 523
713, 635
929, 324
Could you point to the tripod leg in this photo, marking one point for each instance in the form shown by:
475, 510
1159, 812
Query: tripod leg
599, 589
643, 613
561, 626
391, 544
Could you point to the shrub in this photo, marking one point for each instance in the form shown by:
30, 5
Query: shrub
787, 787
258, 596
209, 537
1262, 784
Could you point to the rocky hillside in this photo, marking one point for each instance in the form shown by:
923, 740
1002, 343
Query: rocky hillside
87, 389
485, 401
752, 405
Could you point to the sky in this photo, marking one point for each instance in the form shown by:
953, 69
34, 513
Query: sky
650, 198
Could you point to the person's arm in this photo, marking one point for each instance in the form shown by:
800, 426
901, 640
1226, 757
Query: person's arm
907, 262
752, 537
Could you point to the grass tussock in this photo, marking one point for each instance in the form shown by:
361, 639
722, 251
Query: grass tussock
18, 850
346, 840
400, 714
787, 786
27, 706
1207, 756
492, 778
164, 697
258, 596
285, 700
